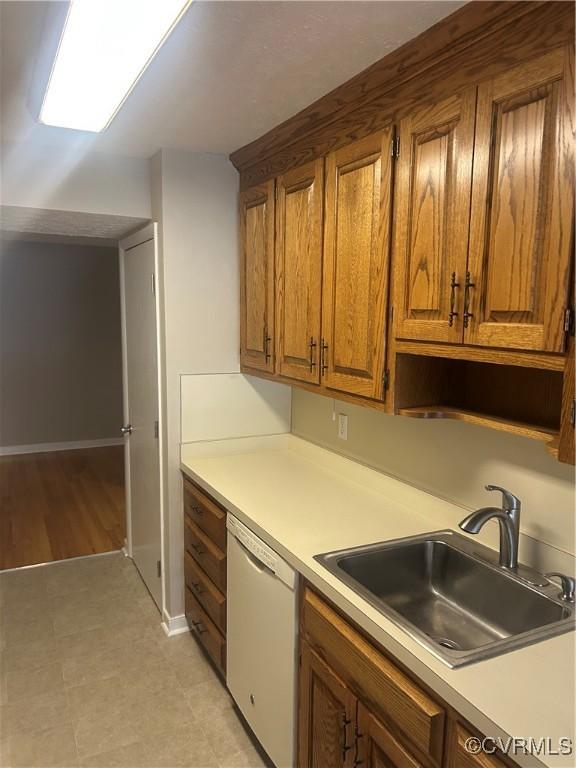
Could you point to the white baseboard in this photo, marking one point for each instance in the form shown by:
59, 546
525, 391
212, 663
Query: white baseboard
175, 625
13, 450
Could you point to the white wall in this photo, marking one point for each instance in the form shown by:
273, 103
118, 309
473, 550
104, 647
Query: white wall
194, 200
455, 461
74, 179
60, 355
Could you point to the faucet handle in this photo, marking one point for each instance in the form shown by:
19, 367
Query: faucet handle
568, 585
510, 502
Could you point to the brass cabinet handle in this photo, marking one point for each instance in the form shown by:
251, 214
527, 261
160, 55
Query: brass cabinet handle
312, 346
323, 363
453, 285
468, 284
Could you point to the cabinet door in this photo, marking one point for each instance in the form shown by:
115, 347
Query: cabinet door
566, 448
257, 277
299, 271
522, 206
356, 263
432, 209
326, 716
377, 747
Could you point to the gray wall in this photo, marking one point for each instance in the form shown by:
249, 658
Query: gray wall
60, 343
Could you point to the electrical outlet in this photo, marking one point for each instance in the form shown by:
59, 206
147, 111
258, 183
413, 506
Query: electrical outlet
342, 426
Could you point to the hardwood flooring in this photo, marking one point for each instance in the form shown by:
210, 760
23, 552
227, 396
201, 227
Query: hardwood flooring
61, 504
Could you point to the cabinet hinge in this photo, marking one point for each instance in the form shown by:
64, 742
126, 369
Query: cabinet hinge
159, 568
573, 414
569, 321
395, 149
153, 284
386, 379
156, 429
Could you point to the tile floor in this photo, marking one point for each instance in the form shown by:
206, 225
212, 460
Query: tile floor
88, 678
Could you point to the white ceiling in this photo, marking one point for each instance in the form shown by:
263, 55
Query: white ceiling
230, 71
52, 226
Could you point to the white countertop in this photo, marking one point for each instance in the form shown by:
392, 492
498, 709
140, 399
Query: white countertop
303, 500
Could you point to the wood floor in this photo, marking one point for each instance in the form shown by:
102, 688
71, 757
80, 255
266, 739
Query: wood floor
61, 504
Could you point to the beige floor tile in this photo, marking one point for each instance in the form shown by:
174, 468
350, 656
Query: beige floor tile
247, 759
24, 683
36, 628
22, 586
96, 699
226, 734
99, 734
132, 756
185, 746
160, 713
191, 667
208, 699
35, 713
31, 655
52, 748
104, 662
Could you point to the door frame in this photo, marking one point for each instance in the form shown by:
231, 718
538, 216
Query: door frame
149, 232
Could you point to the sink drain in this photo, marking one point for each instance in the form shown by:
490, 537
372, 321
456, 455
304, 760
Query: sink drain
445, 642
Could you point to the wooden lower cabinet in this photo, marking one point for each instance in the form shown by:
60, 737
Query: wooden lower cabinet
358, 708
326, 716
376, 746
205, 571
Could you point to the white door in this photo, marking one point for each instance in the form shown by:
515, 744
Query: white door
141, 407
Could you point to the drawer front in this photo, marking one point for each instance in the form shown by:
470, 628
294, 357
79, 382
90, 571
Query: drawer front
380, 684
205, 513
206, 631
463, 758
209, 597
208, 556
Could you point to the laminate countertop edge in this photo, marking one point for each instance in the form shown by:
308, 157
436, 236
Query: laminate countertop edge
303, 500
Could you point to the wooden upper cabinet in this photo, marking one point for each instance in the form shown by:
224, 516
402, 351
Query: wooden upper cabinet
257, 277
327, 711
522, 206
432, 211
299, 271
356, 262
377, 747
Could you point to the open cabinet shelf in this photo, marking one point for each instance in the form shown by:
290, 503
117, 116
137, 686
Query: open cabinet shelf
521, 401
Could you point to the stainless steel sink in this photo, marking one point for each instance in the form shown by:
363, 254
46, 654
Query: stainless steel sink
449, 594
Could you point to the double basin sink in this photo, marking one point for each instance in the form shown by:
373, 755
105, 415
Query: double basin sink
446, 592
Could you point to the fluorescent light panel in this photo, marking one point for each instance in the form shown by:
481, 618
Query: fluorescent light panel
105, 47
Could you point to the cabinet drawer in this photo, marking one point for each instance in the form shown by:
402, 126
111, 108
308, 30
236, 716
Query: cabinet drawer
463, 758
388, 692
210, 558
206, 631
205, 513
210, 598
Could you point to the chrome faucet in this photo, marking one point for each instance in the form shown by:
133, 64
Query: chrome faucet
509, 520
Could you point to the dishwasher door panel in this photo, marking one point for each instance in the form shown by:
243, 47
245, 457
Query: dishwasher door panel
261, 651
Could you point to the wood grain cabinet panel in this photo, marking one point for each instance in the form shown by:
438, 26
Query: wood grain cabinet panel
327, 713
566, 447
376, 745
432, 210
461, 757
356, 260
257, 277
522, 206
299, 271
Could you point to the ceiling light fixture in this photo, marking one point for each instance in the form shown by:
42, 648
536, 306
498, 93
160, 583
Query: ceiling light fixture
105, 47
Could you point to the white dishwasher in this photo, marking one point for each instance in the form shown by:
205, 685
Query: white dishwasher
261, 640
